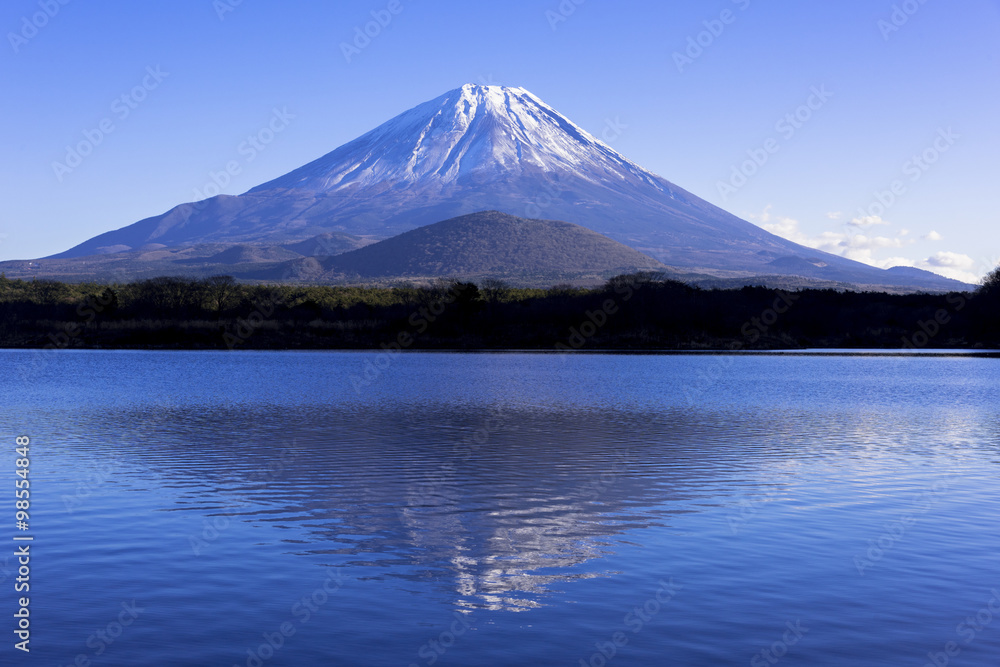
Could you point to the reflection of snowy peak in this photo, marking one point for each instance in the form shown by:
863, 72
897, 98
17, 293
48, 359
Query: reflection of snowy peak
488, 130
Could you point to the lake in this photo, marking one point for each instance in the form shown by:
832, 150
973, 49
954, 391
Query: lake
347, 508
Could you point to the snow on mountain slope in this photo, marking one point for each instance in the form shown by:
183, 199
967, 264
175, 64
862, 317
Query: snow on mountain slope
479, 148
491, 130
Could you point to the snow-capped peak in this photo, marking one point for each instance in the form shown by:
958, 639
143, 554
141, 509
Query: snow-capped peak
475, 130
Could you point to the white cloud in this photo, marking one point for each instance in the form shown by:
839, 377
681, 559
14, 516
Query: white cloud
861, 248
898, 261
834, 215
948, 264
856, 246
868, 221
952, 265
853, 243
952, 260
785, 227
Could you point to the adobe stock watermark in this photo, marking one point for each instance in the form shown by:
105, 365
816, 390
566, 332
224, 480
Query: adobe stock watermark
894, 531
612, 130
432, 650
121, 108
422, 493
625, 288
38, 20
930, 328
752, 330
786, 126
601, 484
634, 621
749, 507
596, 319
967, 629
697, 44
420, 321
245, 328
257, 481
912, 170
487, 80
223, 7
900, 16
987, 264
8, 569
69, 334
89, 484
550, 193
102, 639
364, 34
779, 649
248, 149
562, 13
301, 612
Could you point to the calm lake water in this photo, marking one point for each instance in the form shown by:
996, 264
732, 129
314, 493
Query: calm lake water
314, 508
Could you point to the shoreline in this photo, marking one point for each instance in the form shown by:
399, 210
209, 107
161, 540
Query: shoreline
778, 352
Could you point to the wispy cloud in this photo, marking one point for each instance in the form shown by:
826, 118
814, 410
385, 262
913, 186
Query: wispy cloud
868, 221
858, 243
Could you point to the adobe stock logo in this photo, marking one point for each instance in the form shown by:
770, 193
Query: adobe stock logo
914, 169
713, 29
223, 7
121, 108
248, 149
787, 126
363, 35
31, 26
901, 15
562, 13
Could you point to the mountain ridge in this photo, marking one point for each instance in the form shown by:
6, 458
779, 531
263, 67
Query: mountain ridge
480, 148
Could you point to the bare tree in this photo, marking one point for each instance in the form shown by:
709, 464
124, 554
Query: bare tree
494, 290
220, 291
991, 283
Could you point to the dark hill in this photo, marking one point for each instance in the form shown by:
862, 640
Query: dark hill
325, 245
249, 254
492, 243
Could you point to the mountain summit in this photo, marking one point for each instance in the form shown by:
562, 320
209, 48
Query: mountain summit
480, 148
473, 132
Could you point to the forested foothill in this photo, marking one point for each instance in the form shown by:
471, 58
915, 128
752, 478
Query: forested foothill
642, 311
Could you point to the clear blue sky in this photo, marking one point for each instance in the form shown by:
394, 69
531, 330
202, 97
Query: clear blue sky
930, 86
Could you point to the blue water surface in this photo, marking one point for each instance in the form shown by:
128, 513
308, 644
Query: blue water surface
342, 508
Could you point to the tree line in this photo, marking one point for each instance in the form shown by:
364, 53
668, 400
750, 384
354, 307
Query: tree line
629, 312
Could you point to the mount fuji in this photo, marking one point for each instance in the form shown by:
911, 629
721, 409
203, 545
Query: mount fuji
479, 148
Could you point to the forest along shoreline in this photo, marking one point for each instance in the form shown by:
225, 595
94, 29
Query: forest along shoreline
639, 311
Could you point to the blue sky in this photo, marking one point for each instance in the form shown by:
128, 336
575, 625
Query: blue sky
867, 128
